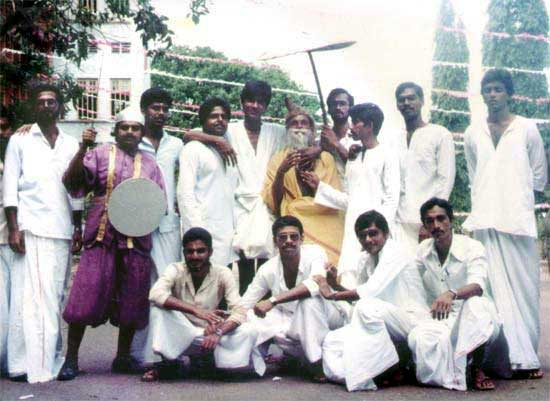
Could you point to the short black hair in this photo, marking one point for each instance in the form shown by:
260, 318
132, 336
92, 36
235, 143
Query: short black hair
368, 112
256, 90
284, 221
197, 233
37, 89
432, 202
209, 105
406, 85
365, 220
155, 95
499, 75
338, 91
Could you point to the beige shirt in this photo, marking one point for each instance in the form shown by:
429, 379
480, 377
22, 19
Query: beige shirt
176, 281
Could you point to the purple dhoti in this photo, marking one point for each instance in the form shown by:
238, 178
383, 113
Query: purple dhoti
113, 276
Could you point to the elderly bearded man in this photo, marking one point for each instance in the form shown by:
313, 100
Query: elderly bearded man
185, 319
113, 276
286, 192
464, 318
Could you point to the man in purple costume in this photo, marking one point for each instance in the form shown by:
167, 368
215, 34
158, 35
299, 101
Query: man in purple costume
112, 280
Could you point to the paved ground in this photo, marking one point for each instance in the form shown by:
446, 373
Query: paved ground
98, 384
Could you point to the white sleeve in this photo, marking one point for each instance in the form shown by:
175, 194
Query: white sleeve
446, 168
257, 288
477, 266
189, 206
12, 172
331, 197
318, 262
391, 182
470, 155
537, 158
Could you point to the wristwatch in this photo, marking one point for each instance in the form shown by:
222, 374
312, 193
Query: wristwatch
273, 300
218, 332
454, 292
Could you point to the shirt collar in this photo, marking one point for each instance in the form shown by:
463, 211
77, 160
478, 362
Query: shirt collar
458, 251
189, 279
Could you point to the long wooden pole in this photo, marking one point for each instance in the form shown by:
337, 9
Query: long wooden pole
321, 99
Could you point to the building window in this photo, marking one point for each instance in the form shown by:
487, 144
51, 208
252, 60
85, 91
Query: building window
87, 104
91, 5
121, 47
120, 95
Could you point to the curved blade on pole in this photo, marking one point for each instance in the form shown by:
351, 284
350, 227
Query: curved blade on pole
334, 46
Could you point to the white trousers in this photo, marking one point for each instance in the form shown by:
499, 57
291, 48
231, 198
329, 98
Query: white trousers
440, 347
166, 250
514, 274
172, 335
313, 319
38, 282
363, 349
6, 262
407, 235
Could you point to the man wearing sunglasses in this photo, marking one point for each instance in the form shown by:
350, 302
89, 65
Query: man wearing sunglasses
288, 276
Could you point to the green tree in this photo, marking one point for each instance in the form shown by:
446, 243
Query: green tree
520, 17
41, 28
451, 47
194, 93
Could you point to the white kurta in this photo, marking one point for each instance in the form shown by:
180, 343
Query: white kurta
371, 182
440, 347
32, 182
503, 180
427, 170
167, 238
206, 197
392, 299
253, 220
270, 278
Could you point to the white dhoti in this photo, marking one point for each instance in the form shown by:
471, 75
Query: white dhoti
406, 234
363, 349
172, 335
6, 262
440, 347
313, 319
166, 250
37, 287
514, 275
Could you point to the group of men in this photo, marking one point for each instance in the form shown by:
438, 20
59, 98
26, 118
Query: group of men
345, 248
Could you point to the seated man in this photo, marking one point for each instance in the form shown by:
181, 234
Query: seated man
288, 277
391, 298
113, 276
464, 319
286, 192
185, 319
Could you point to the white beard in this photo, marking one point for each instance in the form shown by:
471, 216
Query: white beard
298, 138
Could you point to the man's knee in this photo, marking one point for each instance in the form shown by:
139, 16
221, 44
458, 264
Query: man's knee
430, 334
369, 311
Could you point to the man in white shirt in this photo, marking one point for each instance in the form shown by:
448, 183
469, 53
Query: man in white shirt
427, 159
391, 299
155, 105
371, 181
6, 254
185, 319
254, 142
38, 211
288, 276
338, 139
206, 185
506, 164
464, 318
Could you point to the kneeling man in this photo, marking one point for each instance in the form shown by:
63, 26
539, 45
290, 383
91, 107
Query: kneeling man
289, 277
391, 298
464, 319
185, 320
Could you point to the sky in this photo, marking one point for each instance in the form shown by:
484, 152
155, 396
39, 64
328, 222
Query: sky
394, 40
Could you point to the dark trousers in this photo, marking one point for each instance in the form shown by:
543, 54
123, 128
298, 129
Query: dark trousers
247, 269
